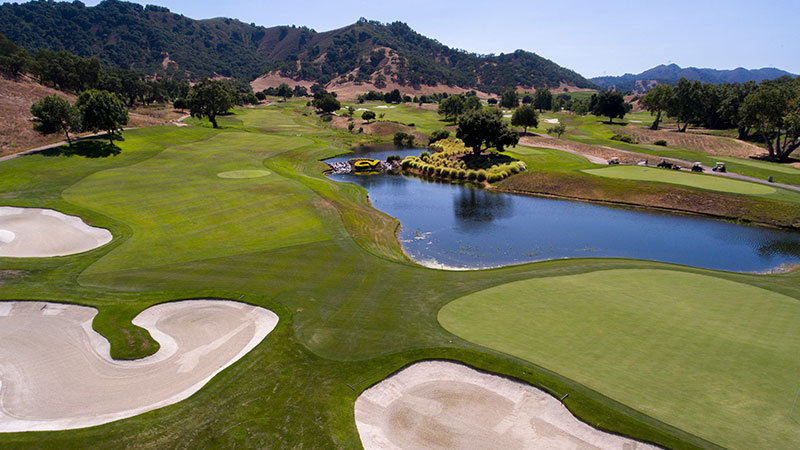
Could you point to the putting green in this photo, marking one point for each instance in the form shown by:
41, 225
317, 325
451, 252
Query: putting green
244, 174
710, 356
710, 182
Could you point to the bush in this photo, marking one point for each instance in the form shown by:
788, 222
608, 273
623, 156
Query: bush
438, 170
494, 178
481, 175
623, 138
661, 142
350, 127
412, 124
438, 135
391, 158
407, 163
180, 104
462, 174
472, 175
327, 118
424, 155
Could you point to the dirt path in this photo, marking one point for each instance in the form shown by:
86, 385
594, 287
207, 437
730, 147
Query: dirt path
57, 374
443, 405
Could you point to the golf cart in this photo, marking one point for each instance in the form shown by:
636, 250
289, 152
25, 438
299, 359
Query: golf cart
664, 164
697, 167
613, 160
719, 167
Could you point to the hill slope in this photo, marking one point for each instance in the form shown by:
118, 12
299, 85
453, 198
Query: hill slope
670, 74
154, 40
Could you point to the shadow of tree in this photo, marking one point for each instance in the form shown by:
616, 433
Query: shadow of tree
87, 148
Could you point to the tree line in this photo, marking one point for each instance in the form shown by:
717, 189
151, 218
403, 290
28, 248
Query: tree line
769, 111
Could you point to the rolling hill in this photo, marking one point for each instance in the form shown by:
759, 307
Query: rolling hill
153, 40
670, 74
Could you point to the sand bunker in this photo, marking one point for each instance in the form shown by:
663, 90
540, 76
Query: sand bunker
244, 173
443, 405
56, 372
550, 120
34, 232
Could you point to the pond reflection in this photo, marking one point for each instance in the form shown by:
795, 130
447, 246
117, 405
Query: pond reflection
459, 226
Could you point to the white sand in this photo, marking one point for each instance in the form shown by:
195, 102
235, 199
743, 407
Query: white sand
56, 372
550, 120
35, 232
385, 106
443, 405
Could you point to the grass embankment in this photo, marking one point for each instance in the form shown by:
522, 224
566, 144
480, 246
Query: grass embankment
713, 357
352, 308
561, 174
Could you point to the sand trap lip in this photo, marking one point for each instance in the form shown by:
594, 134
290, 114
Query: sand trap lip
56, 372
37, 233
444, 405
255, 173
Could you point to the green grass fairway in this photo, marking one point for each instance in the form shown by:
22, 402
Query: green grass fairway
237, 174
712, 357
710, 182
770, 166
353, 309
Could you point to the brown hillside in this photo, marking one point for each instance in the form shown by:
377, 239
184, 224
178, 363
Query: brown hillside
16, 122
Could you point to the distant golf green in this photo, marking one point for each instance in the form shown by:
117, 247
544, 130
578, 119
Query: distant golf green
710, 356
710, 182
244, 174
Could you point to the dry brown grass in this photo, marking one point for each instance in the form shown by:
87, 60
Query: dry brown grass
713, 145
16, 123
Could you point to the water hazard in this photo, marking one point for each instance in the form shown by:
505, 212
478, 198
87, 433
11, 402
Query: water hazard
459, 226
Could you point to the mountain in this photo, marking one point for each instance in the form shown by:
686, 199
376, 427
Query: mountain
154, 40
672, 73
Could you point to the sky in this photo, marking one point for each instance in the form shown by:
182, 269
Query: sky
593, 38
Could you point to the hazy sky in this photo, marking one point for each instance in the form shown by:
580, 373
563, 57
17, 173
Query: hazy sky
594, 38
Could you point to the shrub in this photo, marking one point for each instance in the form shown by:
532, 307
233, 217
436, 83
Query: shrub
481, 175
424, 155
438, 170
661, 142
493, 178
438, 135
623, 138
391, 158
462, 174
360, 130
350, 127
412, 124
180, 103
407, 163
399, 138
472, 175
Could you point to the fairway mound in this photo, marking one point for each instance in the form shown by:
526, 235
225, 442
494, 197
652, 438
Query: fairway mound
444, 405
56, 372
35, 232
256, 173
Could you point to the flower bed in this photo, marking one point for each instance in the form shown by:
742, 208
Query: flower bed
451, 160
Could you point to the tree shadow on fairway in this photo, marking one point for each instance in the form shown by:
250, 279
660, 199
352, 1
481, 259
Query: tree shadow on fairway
87, 148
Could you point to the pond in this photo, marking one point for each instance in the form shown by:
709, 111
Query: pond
455, 226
